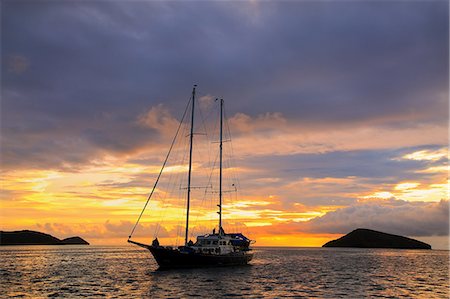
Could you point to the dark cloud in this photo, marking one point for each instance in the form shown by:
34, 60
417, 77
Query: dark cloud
84, 71
17, 64
374, 164
367, 167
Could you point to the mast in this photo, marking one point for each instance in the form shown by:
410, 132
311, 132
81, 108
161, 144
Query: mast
191, 138
220, 169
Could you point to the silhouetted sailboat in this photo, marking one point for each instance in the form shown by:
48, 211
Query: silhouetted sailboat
215, 249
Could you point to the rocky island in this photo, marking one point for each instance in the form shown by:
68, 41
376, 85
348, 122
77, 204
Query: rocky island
367, 238
29, 237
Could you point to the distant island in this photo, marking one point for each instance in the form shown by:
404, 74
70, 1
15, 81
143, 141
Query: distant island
367, 238
29, 237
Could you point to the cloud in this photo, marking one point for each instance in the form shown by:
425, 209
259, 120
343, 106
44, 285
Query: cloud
339, 64
323, 98
123, 228
108, 229
159, 118
338, 177
17, 64
243, 123
427, 155
392, 216
62, 230
272, 133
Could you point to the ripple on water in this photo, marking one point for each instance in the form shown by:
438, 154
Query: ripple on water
113, 272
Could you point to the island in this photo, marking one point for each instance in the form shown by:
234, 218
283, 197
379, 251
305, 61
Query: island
29, 237
74, 241
367, 238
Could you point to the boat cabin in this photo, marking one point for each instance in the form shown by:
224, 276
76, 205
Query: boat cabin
221, 243
214, 244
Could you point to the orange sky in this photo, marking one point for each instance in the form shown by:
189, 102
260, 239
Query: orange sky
101, 200
338, 112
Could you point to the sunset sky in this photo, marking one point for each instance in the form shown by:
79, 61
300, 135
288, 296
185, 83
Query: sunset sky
338, 112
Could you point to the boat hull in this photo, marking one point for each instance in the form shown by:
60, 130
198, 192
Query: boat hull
172, 258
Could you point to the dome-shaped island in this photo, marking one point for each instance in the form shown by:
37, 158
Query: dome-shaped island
367, 238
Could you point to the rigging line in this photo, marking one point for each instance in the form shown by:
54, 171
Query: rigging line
163, 201
208, 110
203, 119
232, 164
231, 154
180, 152
205, 193
208, 137
166, 198
208, 155
213, 137
170, 185
162, 168
182, 181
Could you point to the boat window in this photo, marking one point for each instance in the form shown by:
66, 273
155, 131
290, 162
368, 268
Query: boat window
214, 242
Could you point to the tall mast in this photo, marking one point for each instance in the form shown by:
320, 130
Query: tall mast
191, 138
220, 169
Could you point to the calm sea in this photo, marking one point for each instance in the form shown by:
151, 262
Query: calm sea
129, 272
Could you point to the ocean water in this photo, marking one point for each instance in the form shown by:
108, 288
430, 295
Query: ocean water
131, 272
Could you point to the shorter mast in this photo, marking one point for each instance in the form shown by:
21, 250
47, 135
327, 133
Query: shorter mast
220, 169
191, 138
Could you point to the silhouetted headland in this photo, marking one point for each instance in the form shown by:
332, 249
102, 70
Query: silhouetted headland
74, 241
367, 238
29, 237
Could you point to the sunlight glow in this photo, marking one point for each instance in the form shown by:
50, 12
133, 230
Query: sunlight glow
436, 169
427, 155
380, 194
111, 194
406, 186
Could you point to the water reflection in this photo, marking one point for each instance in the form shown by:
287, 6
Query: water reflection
275, 272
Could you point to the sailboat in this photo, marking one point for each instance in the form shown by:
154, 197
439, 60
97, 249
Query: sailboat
214, 249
